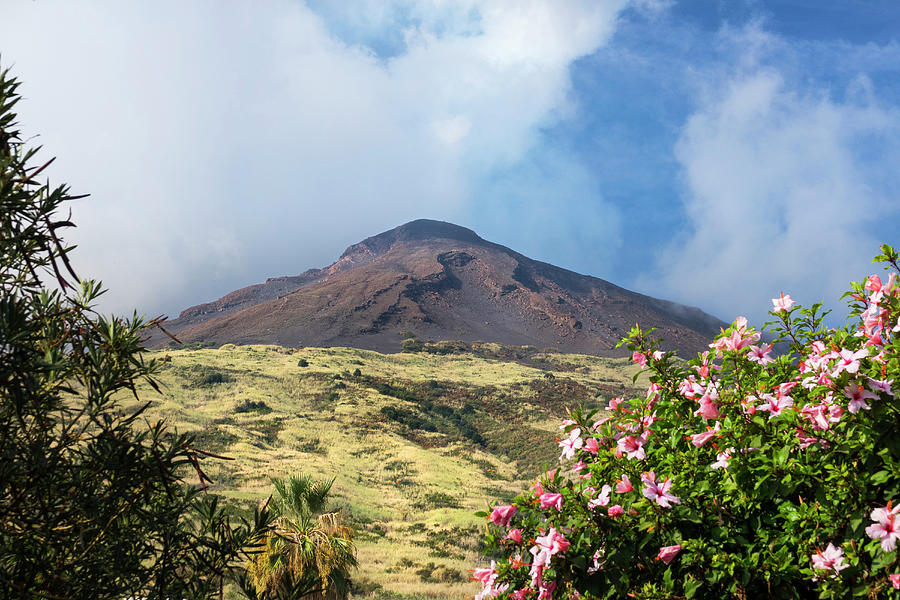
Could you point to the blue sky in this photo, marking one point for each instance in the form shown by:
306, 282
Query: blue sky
714, 153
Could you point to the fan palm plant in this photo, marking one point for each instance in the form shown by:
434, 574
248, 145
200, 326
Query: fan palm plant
308, 552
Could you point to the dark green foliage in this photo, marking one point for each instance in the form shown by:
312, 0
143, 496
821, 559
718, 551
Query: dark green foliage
268, 431
387, 389
412, 345
431, 573
302, 363
214, 438
201, 375
253, 406
408, 418
93, 503
313, 446
439, 500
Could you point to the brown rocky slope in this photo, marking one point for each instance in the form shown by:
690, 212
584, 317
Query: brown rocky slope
440, 282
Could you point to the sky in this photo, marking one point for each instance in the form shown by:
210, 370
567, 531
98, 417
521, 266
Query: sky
712, 152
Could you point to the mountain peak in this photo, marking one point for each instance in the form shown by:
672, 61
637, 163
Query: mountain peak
418, 230
441, 282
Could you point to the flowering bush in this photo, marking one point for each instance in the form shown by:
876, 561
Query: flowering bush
741, 473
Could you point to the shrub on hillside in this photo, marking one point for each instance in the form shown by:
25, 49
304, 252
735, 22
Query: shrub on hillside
738, 474
253, 406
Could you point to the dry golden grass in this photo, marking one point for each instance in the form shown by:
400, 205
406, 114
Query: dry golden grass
411, 493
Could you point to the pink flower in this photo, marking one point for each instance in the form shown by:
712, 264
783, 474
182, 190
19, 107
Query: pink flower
614, 403
775, 404
698, 439
858, 395
882, 385
639, 358
819, 416
782, 303
502, 515
591, 445
668, 553
596, 562
571, 444
599, 423
722, 459
520, 594
873, 283
760, 354
831, 559
615, 511
895, 580
884, 527
806, 441
740, 337
632, 446
485, 576
551, 500
602, 499
658, 492
623, 486
546, 590
708, 409
689, 388
849, 361
554, 542
514, 535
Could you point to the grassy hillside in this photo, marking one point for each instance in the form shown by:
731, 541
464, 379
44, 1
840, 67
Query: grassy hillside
417, 442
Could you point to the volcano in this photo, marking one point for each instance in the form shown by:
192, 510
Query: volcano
439, 281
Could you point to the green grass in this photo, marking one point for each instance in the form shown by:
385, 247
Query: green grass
416, 442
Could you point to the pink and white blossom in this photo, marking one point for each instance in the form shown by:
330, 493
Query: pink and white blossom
502, 515
831, 559
551, 500
570, 444
595, 566
849, 361
708, 409
882, 386
698, 439
639, 358
658, 492
760, 354
632, 446
885, 527
781, 303
668, 553
775, 405
602, 499
722, 459
858, 395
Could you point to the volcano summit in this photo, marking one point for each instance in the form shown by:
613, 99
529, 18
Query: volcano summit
441, 282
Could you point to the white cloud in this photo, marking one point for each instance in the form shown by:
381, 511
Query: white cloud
780, 192
223, 143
